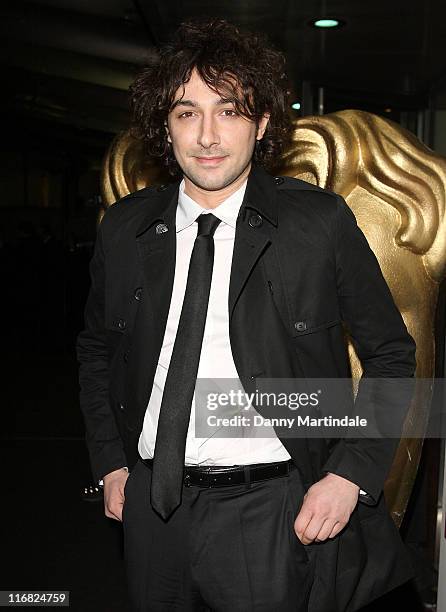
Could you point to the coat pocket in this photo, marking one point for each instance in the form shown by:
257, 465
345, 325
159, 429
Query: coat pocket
321, 348
310, 326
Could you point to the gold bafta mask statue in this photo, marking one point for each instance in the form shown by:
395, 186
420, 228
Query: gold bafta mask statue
396, 188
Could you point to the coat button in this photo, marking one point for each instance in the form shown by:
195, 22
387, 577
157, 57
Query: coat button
161, 228
137, 293
121, 323
255, 220
126, 356
162, 188
121, 407
255, 375
300, 325
279, 180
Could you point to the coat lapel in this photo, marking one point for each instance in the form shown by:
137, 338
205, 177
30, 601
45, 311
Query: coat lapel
248, 247
156, 247
156, 250
250, 239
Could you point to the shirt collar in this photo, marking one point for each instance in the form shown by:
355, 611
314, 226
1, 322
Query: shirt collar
188, 210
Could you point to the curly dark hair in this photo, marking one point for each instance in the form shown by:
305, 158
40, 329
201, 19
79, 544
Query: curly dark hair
234, 63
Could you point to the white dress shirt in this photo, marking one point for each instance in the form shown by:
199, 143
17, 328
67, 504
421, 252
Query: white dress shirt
216, 359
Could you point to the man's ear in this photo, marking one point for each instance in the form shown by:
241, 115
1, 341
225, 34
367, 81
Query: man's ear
262, 125
166, 127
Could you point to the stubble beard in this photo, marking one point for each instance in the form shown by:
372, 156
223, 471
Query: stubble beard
209, 183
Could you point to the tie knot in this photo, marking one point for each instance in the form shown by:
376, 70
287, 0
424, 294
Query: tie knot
207, 224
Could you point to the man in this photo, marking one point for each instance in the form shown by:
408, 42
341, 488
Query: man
232, 273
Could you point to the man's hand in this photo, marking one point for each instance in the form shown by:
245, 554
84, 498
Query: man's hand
326, 508
114, 483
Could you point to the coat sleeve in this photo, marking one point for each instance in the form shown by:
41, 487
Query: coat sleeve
105, 446
385, 349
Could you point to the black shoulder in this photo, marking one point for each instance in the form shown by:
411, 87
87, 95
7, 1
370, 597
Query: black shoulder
289, 183
135, 195
311, 202
128, 205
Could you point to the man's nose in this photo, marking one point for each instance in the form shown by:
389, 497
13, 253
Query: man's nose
208, 134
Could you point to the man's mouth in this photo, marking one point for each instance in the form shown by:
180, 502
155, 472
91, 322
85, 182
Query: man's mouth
210, 161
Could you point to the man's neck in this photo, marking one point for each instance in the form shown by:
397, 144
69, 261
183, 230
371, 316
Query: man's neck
211, 199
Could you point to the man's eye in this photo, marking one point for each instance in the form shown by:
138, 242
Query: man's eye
232, 112
186, 114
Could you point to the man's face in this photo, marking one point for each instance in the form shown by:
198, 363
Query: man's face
211, 142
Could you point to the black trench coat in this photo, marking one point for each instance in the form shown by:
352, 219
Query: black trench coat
302, 272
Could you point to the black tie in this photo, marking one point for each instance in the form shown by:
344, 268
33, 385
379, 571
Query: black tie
173, 422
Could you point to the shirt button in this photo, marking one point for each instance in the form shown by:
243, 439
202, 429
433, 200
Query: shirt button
121, 323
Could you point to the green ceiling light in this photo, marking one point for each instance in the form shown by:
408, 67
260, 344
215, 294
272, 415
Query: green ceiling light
326, 23
296, 106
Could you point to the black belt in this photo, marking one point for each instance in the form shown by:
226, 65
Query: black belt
222, 475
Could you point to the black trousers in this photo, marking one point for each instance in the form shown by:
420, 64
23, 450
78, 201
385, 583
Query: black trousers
225, 549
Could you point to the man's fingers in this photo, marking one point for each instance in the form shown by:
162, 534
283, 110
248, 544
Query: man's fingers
114, 498
326, 530
112, 515
326, 508
302, 520
337, 528
113, 507
115, 511
312, 529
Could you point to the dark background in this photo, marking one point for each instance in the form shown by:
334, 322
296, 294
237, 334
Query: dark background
65, 69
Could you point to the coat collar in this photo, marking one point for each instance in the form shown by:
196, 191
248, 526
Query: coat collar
156, 250
260, 195
162, 208
227, 211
